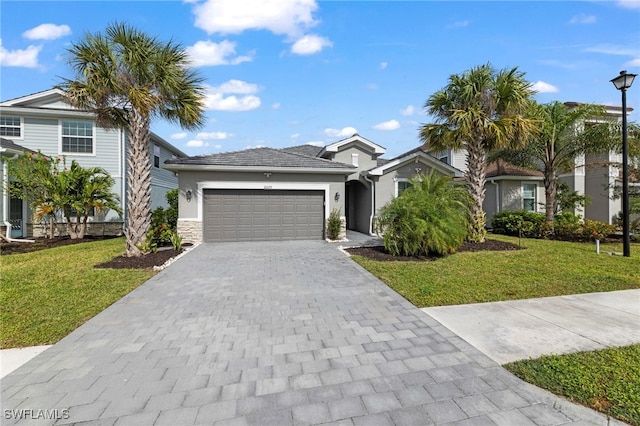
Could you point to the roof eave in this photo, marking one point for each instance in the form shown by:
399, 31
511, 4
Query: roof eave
259, 169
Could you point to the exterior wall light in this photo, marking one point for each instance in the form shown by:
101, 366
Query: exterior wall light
189, 194
337, 197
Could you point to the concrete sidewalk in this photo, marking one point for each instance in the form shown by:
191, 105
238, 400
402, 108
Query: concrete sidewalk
522, 329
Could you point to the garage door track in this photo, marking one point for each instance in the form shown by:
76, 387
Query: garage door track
272, 333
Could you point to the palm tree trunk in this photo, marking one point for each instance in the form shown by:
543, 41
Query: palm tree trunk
550, 189
139, 182
476, 177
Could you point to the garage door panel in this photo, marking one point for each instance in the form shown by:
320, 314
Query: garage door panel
254, 215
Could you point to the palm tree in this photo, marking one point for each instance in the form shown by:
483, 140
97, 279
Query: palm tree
564, 135
478, 111
126, 78
84, 190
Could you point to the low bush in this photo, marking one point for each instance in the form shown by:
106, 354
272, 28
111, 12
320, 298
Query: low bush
520, 223
566, 226
334, 225
430, 217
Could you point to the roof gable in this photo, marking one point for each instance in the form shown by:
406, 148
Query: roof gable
503, 169
7, 145
415, 155
52, 98
355, 139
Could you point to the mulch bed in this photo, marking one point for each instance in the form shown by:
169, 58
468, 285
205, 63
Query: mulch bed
379, 252
147, 261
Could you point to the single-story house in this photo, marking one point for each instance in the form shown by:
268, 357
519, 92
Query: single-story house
288, 193
44, 122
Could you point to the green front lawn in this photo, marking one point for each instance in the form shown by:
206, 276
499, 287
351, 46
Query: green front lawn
544, 268
607, 380
47, 294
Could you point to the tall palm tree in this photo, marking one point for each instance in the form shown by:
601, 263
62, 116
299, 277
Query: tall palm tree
564, 135
478, 111
126, 78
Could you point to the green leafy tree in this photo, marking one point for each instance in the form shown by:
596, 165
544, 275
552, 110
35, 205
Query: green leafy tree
127, 78
564, 135
429, 217
33, 180
478, 111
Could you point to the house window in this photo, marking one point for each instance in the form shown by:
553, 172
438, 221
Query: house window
529, 197
401, 186
11, 126
77, 137
354, 160
444, 159
156, 156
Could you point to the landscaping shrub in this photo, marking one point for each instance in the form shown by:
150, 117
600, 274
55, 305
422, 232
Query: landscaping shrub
164, 221
596, 230
520, 223
334, 224
429, 217
566, 224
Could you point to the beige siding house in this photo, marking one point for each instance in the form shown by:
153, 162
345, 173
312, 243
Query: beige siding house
289, 193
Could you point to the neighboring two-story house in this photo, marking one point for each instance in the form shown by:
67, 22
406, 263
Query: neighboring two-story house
45, 122
513, 188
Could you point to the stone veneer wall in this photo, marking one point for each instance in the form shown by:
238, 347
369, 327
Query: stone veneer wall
190, 231
97, 229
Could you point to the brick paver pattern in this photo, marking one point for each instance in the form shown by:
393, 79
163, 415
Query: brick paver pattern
271, 333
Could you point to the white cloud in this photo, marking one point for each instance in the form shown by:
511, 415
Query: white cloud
387, 125
209, 53
27, 58
408, 110
371, 86
295, 136
178, 135
213, 135
47, 32
275, 105
458, 24
195, 143
611, 49
236, 86
287, 17
542, 87
310, 44
633, 63
216, 100
629, 4
384, 65
583, 19
342, 133
259, 145
315, 143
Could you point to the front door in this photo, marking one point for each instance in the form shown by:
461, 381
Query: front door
16, 217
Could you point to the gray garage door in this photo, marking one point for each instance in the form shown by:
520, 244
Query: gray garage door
259, 215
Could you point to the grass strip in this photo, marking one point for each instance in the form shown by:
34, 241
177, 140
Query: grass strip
606, 380
543, 268
47, 294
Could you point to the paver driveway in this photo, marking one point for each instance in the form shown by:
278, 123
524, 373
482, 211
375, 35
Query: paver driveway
271, 333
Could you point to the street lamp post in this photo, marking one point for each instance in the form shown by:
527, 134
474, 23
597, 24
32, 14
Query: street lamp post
622, 83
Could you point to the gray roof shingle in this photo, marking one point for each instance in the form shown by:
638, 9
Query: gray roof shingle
309, 150
9, 144
260, 157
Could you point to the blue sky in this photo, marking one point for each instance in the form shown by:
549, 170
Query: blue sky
288, 72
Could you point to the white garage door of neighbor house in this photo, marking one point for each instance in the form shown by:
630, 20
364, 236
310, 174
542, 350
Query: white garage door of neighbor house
261, 215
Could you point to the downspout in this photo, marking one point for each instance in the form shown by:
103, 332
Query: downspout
373, 203
497, 194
